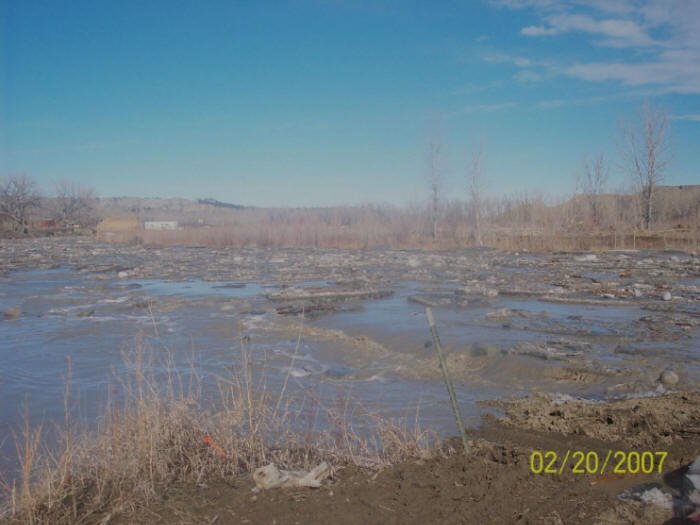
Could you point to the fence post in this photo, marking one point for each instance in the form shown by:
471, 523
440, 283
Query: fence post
446, 377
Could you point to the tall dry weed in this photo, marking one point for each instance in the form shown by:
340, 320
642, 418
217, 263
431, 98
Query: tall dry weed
159, 427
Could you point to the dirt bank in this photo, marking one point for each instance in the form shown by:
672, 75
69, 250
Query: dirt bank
493, 484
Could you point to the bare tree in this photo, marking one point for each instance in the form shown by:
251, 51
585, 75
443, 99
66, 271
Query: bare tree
435, 180
595, 176
474, 180
646, 153
18, 195
74, 203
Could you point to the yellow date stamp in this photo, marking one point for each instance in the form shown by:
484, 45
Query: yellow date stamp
593, 463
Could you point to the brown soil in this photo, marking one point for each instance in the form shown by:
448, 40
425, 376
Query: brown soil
493, 484
636, 422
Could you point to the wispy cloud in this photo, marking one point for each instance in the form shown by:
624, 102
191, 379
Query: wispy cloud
662, 39
619, 33
695, 117
497, 57
589, 101
529, 69
528, 76
677, 76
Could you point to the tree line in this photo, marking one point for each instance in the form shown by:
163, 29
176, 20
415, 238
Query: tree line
591, 217
645, 152
69, 205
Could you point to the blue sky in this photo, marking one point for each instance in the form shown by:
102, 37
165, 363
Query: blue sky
313, 102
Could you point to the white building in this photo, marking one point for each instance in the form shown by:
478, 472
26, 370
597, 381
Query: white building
160, 225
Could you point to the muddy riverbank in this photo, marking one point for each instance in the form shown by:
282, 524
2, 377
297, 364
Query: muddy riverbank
494, 483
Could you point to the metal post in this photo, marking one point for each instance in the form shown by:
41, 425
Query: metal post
446, 377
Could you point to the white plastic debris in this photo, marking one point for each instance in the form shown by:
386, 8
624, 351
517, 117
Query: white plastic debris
657, 497
270, 477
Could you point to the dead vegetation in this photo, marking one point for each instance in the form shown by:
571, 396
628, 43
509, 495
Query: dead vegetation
637, 422
532, 222
162, 428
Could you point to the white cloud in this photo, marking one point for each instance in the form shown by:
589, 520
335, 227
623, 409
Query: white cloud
661, 39
632, 74
539, 31
677, 76
620, 33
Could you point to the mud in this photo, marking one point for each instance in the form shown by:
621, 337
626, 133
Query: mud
636, 422
494, 483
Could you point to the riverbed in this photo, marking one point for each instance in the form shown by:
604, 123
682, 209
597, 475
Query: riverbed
337, 325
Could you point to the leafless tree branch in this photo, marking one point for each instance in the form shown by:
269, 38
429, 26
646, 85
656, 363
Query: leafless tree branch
646, 153
19, 195
474, 179
74, 203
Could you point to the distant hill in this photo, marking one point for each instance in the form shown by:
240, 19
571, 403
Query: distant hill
185, 211
142, 204
219, 204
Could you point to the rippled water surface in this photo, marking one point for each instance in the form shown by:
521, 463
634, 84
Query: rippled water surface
85, 324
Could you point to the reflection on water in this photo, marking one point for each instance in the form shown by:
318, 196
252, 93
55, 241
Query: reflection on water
195, 288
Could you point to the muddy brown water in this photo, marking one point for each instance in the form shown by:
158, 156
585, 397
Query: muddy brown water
548, 328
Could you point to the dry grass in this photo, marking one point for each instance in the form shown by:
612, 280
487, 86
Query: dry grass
531, 239
516, 223
160, 428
